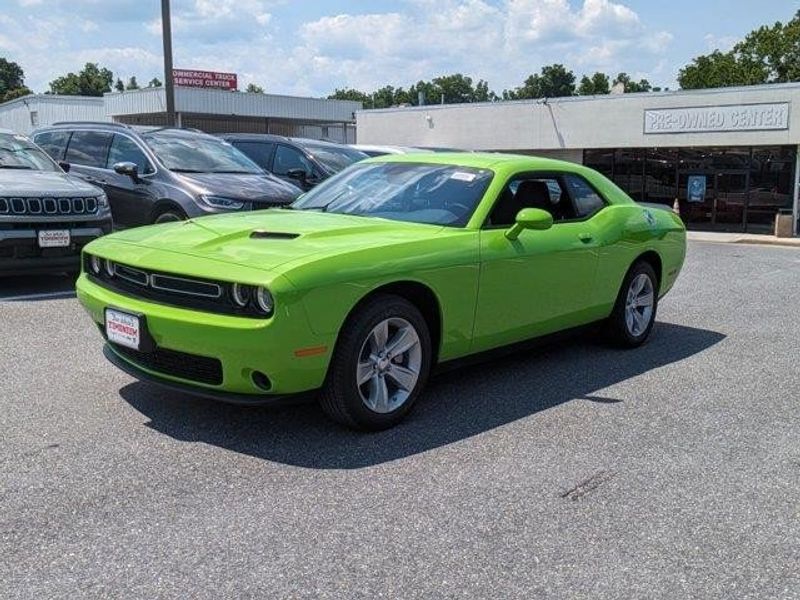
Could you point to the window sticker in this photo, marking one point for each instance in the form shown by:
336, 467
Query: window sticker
463, 176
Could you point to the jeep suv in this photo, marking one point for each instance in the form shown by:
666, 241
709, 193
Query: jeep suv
159, 174
46, 215
300, 161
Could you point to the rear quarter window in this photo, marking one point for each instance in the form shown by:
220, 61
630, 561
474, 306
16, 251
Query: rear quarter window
89, 148
53, 142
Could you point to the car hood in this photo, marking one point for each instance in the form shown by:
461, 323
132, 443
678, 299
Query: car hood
27, 183
271, 238
256, 188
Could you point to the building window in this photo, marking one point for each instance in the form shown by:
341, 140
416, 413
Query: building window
34, 118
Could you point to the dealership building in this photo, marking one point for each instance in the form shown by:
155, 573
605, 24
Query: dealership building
207, 109
728, 156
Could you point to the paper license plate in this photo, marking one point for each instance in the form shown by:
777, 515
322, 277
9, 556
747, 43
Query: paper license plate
54, 238
123, 328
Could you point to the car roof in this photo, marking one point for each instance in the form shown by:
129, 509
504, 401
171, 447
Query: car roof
123, 127
256, 137
388, 149
481, 160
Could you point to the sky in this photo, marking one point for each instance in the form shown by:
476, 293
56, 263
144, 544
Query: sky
313, 47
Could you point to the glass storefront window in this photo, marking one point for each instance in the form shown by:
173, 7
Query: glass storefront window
735, 188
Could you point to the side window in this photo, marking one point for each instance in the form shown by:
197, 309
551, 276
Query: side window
53, 142
89, 148
288, 158
531, 191
124, 149
587, 200
259, 152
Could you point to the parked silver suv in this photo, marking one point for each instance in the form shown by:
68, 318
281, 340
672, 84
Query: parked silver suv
46, 215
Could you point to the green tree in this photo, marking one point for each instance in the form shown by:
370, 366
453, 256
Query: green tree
132, 83
594, 85
769, 54
631, 86
346, 94
554, 81
12, 81
119, 86
92, 80
252, 88
154, 82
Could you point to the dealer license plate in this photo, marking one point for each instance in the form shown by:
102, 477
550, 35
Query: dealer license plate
123, 328
54, 238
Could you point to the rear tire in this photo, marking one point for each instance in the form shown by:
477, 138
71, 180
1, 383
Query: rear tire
380, 365
634, 312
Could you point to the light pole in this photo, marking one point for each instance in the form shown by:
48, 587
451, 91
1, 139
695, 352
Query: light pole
169, 87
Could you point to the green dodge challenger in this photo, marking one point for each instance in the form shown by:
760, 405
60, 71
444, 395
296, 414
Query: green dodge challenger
365, 283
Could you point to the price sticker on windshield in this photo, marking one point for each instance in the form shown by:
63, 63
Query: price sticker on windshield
463, 176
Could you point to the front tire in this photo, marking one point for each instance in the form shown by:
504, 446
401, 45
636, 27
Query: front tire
634, 312
170, 216
380, 365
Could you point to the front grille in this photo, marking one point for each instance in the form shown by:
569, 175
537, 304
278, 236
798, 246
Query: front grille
183, 365
187, 292
26, 207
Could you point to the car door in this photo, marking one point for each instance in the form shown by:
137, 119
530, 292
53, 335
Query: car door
259, 152
288, 158
133, 197
543, 281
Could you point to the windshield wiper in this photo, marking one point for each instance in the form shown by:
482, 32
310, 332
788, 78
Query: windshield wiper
21, 167
187, 171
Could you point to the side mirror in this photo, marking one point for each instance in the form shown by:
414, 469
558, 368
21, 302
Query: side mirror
297, 174
530, 218
127, 168
65, 166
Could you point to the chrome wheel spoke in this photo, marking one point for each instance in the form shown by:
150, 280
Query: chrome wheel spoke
380, 336
644, 300
405, 339
379, 394
403, 377
365, 371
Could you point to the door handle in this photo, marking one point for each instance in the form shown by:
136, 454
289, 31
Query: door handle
585, 237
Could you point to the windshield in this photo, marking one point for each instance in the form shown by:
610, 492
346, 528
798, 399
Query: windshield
198, 154
416, 192
18, 152
334, 158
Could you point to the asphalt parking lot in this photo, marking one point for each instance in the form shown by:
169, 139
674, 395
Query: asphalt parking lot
571, 471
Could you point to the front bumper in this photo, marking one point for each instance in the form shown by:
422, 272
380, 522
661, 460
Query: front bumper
20, 252
244, 346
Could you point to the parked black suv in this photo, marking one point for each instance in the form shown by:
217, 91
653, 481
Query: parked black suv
300, 161
159, 174
46, 215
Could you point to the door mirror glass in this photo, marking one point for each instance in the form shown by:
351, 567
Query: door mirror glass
530, 218
64, 166
127, 168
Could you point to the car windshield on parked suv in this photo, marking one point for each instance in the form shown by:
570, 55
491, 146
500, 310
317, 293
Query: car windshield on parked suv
160, 174
301, 161
46, 215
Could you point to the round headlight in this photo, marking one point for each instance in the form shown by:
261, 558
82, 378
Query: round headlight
241, 294
95, 264
109, 267
264, 300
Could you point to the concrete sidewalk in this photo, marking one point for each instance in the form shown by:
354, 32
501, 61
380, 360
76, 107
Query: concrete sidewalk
741, 238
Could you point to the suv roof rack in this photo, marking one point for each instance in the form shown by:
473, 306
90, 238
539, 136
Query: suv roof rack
103, 123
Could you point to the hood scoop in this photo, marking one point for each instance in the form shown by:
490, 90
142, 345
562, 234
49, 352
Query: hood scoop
272, 235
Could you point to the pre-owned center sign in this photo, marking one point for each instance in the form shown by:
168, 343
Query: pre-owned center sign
204, 79
735, 117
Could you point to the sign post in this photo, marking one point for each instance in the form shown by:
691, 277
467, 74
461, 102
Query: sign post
169, 88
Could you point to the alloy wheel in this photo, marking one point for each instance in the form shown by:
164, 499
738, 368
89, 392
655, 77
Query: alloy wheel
389, 365
639, 305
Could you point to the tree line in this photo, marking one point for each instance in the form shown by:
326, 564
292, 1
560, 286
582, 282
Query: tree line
768, 54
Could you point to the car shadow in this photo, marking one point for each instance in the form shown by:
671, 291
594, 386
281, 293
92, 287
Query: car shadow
457, 404
28, 288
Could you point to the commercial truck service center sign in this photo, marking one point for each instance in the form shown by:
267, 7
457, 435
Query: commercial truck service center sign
741, 117
204, 79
